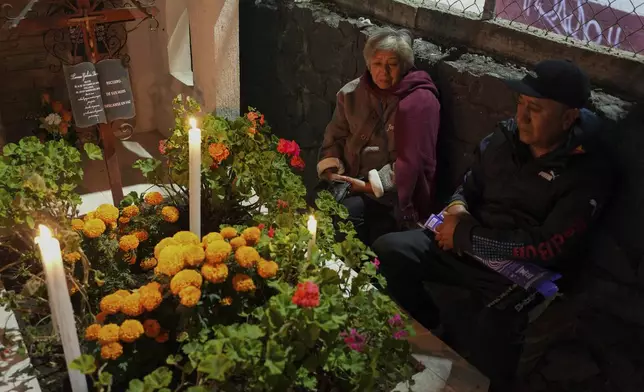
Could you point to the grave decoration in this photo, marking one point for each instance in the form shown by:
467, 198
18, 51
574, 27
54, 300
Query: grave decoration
251, 305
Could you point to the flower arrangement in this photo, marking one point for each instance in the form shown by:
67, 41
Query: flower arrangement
55, 120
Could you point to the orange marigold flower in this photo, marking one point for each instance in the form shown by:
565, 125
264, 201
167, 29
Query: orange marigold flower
228, 232
208, 238
131, 211
130, 331
148, 264
186, 238
67, 116
153, 198
152, 328
267, 269
237, 242
122, 293
132, 305
151, 300
193, 255
72, 257
108, 334
91, 333
170, 261
226, 301
128, 242
218, 251
78, 224
100, 318
111, 351
142, 235
243, 283
162, 244
111, 304
246, 256
107, 213
93, 228
190, 296
153, 286
89, 215
252, 235
163, 337
170, 214
124, 220
184, 279
218, 151
215, 273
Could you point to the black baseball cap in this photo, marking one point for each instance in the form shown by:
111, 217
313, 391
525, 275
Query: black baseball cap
558, 80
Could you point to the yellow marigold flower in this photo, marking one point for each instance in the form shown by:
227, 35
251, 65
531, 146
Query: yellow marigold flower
163, 337
153, 198
246, 257
132, 305
122, 293
267, 269
152, 328
124, 220
226, 301
93, 228
150, 299
252, 235
142, 235
243, 283
128, 242
113, 225
228, 232
91, 333
108, 334
72, 257
149, 263
89, 215
237, 242
154, 286
77, 224
190, 296
193, 255
170, 214
208, 238
184, 279
162, 244
218, 251
111, 304
107, 213
215, 273
111, 351
131, 211
186, 238
100, 318
130, 331
170, 261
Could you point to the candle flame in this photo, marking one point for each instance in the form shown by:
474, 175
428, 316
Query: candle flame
44, 233
193, 122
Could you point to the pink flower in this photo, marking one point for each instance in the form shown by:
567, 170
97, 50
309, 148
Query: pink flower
396, 321
297, 162
271, 232
401, 334
288, 147
162, 146
282, 205
354, 340
307, 295
376, 263
261, 226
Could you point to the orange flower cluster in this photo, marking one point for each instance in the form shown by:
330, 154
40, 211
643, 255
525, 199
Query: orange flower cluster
219, 152
110, 336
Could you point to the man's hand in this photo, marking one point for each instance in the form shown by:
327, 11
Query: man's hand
445, 231
357, 186
457, 209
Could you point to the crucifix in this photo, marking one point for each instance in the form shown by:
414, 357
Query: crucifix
85, 16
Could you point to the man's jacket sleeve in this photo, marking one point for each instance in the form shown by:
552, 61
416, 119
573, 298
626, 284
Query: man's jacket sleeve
559, 235
469, 192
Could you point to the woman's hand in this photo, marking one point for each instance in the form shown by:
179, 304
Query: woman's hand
357, 186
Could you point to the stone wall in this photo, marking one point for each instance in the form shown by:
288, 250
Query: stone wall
295, 57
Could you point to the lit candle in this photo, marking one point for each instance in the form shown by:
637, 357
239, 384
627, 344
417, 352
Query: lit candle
312, 225
194, 140
60, 304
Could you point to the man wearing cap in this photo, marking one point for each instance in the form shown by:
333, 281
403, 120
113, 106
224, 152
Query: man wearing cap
536, 184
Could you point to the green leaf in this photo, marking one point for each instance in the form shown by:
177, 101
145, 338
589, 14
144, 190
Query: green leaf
197, 389
136, 386
9, 149
93, 151
162, 377
30, 221
105, 379
85, 364
275, 358
173, 359
216, 366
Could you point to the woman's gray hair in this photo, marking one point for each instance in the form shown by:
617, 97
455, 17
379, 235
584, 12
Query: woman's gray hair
388, 39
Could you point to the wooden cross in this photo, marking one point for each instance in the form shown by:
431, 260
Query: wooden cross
85, 16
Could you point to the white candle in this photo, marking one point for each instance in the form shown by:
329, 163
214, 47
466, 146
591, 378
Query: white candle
194, 140
60, 304
312, 225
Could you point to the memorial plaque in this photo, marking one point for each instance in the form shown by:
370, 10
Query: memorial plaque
118, 99
84, 91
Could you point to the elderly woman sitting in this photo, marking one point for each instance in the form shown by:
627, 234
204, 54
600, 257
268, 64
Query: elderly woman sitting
382, 139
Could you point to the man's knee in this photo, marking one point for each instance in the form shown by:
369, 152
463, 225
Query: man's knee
386, 245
